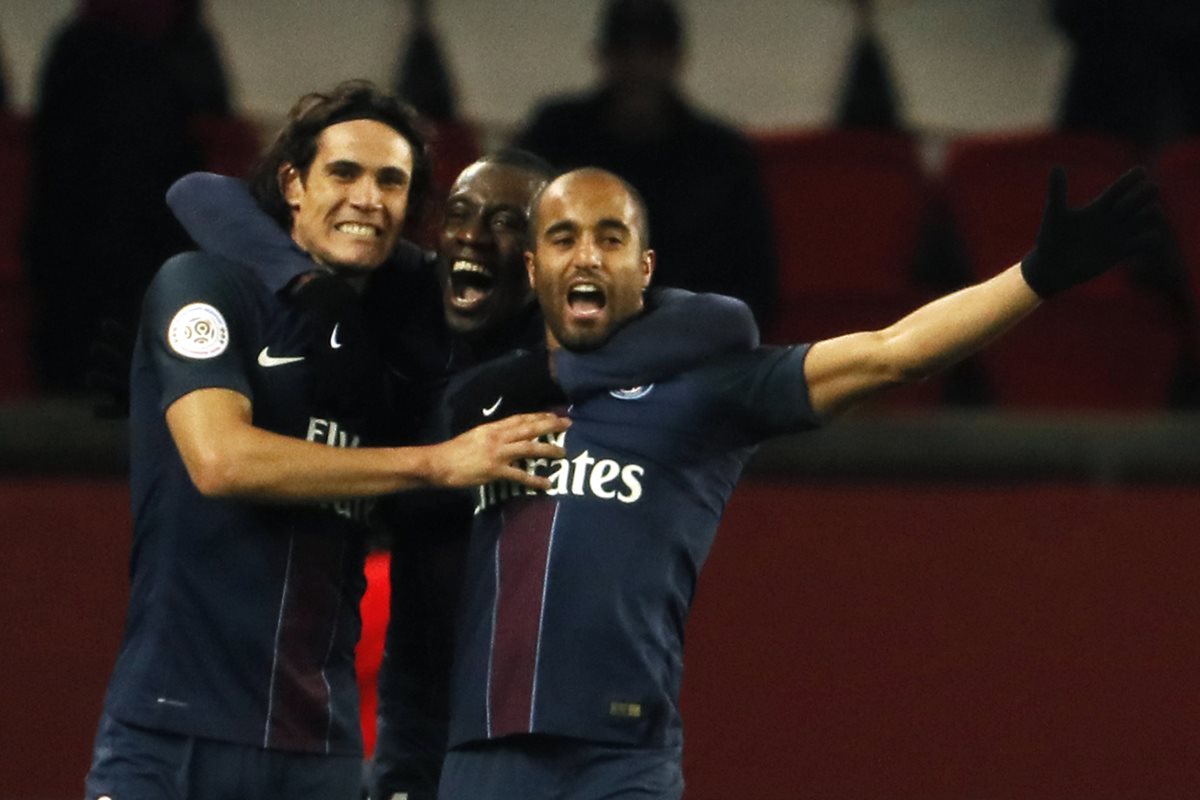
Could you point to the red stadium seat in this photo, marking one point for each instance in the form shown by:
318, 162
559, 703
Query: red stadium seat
995, 186
231, 145
847, 209
1106, 345
1088, 351
375, 608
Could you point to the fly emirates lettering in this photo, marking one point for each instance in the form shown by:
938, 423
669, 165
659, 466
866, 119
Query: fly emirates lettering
603, 478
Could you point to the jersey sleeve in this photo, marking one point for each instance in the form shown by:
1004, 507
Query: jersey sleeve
222, 217
764, 392
196, 328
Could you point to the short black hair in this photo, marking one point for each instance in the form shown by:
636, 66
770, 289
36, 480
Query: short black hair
625, 24
639, 202
520, 159
296, 143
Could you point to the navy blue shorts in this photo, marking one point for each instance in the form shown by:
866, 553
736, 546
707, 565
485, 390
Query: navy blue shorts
132, 762
556, 768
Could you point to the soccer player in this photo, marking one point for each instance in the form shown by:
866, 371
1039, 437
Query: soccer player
482, 306
250, 480
569, 659
468, 302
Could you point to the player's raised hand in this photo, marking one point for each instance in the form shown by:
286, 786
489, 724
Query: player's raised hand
489, 452
1077, 244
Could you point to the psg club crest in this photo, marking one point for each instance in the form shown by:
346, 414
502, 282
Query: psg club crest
633, 392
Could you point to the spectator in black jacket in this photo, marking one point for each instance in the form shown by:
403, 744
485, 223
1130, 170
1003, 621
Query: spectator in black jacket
712, 227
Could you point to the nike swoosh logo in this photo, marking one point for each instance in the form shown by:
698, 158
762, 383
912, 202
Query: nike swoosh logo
265, 360
487, 412
333, 339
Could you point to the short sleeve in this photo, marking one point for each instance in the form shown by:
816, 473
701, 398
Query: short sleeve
222, 217
195, 328
765, 391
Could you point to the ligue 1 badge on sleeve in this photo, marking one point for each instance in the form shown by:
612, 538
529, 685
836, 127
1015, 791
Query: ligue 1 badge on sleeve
198, 331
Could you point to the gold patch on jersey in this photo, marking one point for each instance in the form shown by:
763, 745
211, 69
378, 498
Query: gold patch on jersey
631, 710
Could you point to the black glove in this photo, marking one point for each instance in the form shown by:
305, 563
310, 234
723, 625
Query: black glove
1077, 244
110, 356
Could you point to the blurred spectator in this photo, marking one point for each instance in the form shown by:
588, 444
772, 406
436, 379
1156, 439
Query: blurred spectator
711, 223
1136, 71
423, 79
868, 97
119, 85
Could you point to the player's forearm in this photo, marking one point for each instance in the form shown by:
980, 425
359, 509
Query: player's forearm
261, 465
947, 330
842, 372
227, 456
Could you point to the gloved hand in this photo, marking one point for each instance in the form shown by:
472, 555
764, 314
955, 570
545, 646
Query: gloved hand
110, 356
1077, 244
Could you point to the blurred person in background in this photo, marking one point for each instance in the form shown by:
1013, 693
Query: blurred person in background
712, 226
1135, 71
868, 97
119, 87
425, 81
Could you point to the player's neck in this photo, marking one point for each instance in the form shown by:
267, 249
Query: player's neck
552, 346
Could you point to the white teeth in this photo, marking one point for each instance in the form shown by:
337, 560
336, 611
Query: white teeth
585, 287
357, 229
469, 266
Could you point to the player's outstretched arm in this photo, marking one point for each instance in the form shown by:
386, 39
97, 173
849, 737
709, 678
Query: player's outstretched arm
227, 456
1073, 246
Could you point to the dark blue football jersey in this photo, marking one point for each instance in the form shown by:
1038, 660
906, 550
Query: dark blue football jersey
243, 616
576, 598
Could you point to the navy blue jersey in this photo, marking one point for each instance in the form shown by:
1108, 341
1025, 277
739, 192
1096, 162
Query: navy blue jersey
243, 616
577, 597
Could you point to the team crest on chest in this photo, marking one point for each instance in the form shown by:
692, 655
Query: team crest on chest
198, 331
633, 392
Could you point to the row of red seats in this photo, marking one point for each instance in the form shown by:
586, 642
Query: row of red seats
850, 210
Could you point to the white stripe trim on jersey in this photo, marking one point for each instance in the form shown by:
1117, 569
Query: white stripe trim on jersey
287, 574
329, 650
487, 698
537, 650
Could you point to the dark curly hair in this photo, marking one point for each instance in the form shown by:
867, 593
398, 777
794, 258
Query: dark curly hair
296, 143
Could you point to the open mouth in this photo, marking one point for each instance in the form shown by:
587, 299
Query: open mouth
586, 300
470, 284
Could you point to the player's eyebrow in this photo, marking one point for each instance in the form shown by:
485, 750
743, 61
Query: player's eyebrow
393, 175
562, 226
343, 165
610, 223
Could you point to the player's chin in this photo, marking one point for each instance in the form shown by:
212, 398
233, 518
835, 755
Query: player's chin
584, 339
356, 262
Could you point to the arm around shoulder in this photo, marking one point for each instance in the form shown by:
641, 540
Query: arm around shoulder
226, 455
